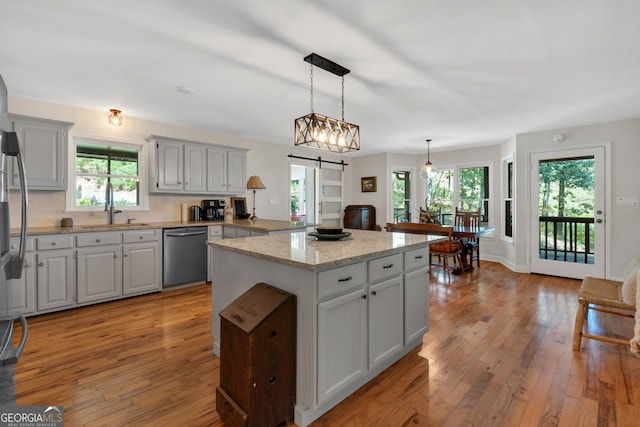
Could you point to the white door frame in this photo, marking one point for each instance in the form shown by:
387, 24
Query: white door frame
601, 268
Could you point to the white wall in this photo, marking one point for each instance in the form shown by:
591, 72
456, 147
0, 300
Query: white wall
623, 222
268, 160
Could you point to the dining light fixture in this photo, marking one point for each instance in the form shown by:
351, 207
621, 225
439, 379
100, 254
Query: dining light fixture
322, 132
428, 167
115, 117
255, 183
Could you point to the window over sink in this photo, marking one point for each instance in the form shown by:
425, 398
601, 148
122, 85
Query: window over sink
97, 163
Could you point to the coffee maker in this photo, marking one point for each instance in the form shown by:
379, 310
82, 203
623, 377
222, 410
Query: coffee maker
213, 210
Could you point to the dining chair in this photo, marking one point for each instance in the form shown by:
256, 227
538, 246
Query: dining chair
450, 248
470, 219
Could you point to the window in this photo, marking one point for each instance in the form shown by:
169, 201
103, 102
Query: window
508, 201
465, 187
401, 196
100, 162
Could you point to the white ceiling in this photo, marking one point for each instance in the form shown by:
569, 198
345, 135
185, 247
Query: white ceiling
462, 72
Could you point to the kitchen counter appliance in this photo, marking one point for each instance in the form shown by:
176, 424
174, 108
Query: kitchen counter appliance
10, 264
185, 256
213, 210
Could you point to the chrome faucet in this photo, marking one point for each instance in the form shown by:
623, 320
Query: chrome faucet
108, 204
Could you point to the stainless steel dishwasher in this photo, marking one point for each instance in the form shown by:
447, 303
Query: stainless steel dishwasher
185, 256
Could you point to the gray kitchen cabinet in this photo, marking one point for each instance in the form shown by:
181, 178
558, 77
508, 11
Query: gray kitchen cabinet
416, 294
24, 288
55, 278
141, 262
386, 323
215, 233
342, 345
227, 172
99, 267
195, 168
179, 166
170, 166
44, 147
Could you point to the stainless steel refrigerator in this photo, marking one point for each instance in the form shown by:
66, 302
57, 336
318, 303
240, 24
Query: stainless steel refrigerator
10, 264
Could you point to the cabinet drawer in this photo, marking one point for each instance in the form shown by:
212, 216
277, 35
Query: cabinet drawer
97, 239
229, 232
382, 268
14, 244
54, 242
416, 258
243, 232
140, 236
215, 230
340, 279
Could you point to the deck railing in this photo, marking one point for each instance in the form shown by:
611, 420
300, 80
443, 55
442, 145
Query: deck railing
566, 239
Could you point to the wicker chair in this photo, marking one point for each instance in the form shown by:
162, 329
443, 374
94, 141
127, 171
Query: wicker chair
601, 295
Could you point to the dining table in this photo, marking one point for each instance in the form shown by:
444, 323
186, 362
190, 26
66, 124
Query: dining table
465, 232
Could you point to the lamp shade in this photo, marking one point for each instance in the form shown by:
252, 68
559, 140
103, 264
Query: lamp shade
255, 183
427, 170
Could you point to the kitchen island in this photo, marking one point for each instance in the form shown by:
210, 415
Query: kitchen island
362, 303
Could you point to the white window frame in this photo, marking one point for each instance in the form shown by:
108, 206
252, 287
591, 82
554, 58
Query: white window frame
505, 196
142, 173
456, 185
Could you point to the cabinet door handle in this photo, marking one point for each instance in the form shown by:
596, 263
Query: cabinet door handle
345, 279
125, 255
53, 243
41, 264
387, 266
374, 293
418, 257
364, 296
97, 240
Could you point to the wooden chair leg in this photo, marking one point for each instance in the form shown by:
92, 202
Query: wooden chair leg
577, 330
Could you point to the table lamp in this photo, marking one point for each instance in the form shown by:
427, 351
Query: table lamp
254, 184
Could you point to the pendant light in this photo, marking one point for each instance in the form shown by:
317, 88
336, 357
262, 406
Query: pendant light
428, 167
322, 132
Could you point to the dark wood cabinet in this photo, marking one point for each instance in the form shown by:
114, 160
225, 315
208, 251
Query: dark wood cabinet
258, 358
361, 217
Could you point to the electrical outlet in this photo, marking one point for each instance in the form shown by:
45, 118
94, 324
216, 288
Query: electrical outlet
628, 201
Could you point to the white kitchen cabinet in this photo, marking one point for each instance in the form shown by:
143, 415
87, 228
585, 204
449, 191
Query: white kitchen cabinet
227, 172
386, 323
24, 288
187, 167
141, 261
237, 171
56, 279
170, 166
44, 148
416, 304
342, 342
99, 273
195, 168
214, 233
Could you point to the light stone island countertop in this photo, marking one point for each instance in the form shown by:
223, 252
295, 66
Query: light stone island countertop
267, 225
297, 249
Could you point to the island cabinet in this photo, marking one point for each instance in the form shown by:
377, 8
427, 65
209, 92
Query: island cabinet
362, 304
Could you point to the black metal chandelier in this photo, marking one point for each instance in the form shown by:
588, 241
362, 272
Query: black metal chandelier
322, 132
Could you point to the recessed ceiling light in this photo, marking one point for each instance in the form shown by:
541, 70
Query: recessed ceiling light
186, 90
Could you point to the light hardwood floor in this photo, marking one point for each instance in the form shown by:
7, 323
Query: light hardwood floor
498, 353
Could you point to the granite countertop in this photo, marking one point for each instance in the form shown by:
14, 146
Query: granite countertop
267, 225
297, 249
